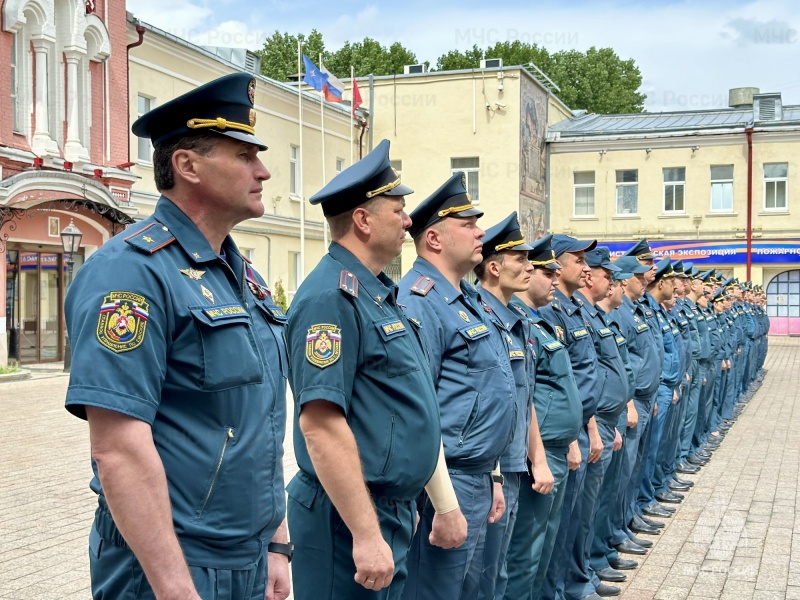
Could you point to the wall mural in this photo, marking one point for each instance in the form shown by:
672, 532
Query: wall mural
533, 127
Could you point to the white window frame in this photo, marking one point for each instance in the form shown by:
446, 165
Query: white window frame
472, 174
294, 272
774, 181
583, 186
723, 184
15, 62
294, 171
339, 165
144, 143
626, 185
674, 185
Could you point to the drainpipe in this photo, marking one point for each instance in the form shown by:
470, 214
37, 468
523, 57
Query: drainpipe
749, 132
140, 30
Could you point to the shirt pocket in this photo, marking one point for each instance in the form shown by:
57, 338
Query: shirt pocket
399, 353
228, 355
481, 352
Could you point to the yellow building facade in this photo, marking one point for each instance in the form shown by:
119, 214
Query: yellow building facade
163, 66
697, 184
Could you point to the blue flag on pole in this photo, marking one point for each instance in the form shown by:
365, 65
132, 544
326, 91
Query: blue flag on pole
313, 76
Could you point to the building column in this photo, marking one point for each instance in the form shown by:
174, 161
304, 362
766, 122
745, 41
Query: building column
73, 149
42, 143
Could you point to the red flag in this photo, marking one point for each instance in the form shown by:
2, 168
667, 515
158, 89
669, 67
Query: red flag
357, 101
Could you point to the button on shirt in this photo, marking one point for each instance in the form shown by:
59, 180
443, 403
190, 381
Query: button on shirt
471, 372
165, 331
575, 334
355, 348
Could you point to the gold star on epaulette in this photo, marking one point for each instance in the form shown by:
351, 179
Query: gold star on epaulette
147, 239
196, 255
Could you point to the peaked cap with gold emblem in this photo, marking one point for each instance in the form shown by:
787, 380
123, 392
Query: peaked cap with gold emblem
372, 176
450, 200
224, 106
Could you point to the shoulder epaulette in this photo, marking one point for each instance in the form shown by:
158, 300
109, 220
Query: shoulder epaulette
556, 304
151, 238
422, 285
348, 283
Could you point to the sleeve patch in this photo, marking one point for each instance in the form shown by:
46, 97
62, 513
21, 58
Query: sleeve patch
323, 344
123, 321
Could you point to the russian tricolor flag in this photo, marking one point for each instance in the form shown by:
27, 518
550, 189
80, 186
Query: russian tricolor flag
333, 88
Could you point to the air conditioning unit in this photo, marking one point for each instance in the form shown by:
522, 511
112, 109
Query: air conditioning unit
411, 69
491, 63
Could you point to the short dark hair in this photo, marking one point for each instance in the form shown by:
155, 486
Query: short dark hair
480, 270
202, 143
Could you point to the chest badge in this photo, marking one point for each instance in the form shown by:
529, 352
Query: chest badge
463, 315
323, 345
193, 273
123, 321
560, 334
207, 294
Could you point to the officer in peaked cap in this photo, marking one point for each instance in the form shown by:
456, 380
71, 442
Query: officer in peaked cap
370, 177
601, 257
368, 434
568, 315
224, 106
505, 270
679, 268
185, 390
469, 361
642, 252
629, 264
450, 200
556, 396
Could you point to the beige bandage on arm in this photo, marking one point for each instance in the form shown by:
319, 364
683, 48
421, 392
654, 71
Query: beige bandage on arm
440, 488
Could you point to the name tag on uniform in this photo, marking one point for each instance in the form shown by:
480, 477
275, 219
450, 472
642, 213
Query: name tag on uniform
648, 313
689, 316
620, 340
642, 327
676, 332
555, 345
391, 328
475, 331
215, 313
683, 324
604, 332
665, 329
579, 333
516, 355
701, 318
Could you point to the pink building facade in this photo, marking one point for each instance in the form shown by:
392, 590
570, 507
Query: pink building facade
64, 157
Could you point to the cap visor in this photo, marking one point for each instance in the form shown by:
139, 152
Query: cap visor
400, 190
242, 137
469, 212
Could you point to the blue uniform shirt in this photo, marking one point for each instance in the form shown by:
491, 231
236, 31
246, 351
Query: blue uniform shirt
575, 333
643, 347
350, 344
555, 395
671, 364
612, 377
469, 362
165, 331
514, 328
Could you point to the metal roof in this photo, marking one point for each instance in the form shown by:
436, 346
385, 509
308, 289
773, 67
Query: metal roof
725, 118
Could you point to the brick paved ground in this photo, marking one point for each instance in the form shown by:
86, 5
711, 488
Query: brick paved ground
731, 538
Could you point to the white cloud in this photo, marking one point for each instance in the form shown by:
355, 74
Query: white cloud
231, 34
182, 18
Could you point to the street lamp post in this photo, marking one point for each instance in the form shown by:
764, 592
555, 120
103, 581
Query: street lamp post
71, 243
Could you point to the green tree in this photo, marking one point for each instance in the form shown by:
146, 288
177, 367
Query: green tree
279, 295
598, 81
279, 54
369, 56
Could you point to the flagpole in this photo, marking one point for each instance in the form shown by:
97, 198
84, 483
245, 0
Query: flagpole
300, 164
352, 107
324, 179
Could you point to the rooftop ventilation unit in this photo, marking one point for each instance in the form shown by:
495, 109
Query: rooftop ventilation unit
767, 107
411, 69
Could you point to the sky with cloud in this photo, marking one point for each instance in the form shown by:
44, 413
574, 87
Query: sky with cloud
689, 53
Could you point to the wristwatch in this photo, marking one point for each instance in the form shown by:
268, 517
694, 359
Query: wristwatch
285, 549
498, 479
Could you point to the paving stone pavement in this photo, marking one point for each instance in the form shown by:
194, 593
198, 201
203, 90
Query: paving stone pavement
732, 537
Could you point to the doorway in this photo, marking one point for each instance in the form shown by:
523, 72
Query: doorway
34, 301
783, 303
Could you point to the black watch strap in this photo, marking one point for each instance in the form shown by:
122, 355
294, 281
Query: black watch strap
285, 549
498, 478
